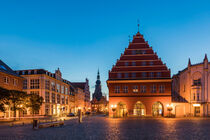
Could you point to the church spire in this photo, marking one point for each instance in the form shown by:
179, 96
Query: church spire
98, 75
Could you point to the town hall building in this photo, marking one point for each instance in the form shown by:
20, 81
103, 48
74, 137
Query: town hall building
139, 83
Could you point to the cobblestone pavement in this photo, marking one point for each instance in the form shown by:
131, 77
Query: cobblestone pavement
103, 128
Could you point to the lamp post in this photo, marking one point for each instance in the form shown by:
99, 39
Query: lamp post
169, 108
113, 107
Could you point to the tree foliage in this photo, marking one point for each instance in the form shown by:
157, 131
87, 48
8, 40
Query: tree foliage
34, 102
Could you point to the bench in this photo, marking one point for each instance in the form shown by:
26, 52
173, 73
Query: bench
51, 124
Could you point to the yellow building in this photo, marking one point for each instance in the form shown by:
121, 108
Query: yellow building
52, 87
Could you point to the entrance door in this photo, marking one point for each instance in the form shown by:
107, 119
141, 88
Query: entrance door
139, 109
157, 109
197, 111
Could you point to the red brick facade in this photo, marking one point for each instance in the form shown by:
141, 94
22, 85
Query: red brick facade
139, 84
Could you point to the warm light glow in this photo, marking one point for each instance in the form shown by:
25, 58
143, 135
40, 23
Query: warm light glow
79, 107
196, 105
167, 105
115, 106
112, 106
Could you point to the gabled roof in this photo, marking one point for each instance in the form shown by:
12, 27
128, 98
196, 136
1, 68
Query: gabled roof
139, 62
6, 69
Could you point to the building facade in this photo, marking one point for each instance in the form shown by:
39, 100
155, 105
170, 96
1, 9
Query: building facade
191, 92
52, 87
82, 95
139, 83
11, 81
99, 103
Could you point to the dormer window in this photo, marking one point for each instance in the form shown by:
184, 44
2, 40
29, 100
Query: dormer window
143, 63
126, 63
133, 52
133, 75
119, 75
158, 74
126, 75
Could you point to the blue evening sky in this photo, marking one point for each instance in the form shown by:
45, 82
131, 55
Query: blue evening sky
81, 36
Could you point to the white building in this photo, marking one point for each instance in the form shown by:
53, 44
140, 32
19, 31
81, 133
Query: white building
191, 90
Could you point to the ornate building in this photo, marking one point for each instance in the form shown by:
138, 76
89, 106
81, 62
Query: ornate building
191, 95
99, 102
97, 94
139, 83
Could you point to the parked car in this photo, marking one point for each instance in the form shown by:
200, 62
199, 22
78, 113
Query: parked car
87, 113
71, 115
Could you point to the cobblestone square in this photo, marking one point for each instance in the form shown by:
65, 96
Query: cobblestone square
103, 128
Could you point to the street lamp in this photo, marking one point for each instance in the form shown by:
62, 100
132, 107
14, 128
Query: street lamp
113, 107
169, 108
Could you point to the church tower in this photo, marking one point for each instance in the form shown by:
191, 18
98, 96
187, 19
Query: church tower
97, 93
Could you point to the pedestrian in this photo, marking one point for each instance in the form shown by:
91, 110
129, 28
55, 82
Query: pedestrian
80, 116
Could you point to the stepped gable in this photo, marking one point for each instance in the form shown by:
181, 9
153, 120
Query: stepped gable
139, 62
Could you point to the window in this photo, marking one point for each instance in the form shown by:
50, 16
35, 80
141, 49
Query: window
133, 63
143, 51
138, 52
3, 67
62, 89
47, 109
126, 63
198, 97
143, 89
52, 86
58, 88
25, 84
66, 90
158, 74
151, 63
47, 84
47, 97
119, 75
53, 97
162, 89
197, 82
151, 74
133, 75
117, 89
6, 80
15, 82
126, 75
63, 99
67, 100
133, 52
143, 63
143, 74
34, 92
135, 89
194, 96
58, 99
34, 83
125, 89
153, 89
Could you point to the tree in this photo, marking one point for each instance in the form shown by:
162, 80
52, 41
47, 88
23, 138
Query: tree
16, 100
4, 96
34, 102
